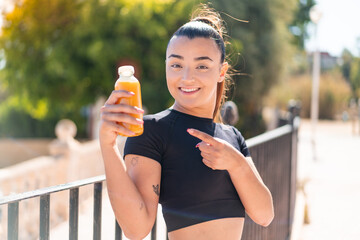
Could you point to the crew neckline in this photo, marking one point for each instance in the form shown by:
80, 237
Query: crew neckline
192, 116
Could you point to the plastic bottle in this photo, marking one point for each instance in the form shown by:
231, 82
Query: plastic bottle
128, 82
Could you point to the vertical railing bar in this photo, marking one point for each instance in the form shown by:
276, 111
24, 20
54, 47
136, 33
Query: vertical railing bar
118, 232
74, 214
291, 169
153, 231
44, 217
293, 176
97, 210
13, 221
291, 181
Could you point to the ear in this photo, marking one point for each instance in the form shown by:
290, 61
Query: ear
223, 70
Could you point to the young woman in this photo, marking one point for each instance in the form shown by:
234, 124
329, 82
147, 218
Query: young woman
199, 169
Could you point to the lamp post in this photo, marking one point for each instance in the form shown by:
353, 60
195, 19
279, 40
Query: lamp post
315, 16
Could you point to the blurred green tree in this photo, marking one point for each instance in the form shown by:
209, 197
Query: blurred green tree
298, 26
350, 69
61, 55
347, 59
355, 77
265, 47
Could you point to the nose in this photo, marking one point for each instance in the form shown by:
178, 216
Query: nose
187, 75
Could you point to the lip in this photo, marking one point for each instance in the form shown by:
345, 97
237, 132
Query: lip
189, 90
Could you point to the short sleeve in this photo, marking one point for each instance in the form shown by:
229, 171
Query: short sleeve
241, 140
149, 144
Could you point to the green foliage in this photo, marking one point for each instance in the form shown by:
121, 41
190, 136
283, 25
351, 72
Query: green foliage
334, 94
350, 69
17, 123
347, 59
298, 27
62, 55
355, 77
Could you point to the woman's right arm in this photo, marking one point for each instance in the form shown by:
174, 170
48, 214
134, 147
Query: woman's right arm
133, 186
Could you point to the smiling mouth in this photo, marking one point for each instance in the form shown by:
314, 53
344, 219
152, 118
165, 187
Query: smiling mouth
189, 90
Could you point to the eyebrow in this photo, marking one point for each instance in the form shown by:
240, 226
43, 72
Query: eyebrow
196, 59
176, 56
203, 58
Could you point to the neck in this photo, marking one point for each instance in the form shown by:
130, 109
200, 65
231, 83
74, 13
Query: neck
197, 111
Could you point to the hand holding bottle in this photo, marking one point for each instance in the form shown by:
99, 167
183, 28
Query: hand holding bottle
113, 116
122, 113
128, 82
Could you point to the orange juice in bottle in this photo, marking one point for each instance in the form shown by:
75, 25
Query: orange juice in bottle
128, 82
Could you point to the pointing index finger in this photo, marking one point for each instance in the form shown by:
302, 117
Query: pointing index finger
202, 136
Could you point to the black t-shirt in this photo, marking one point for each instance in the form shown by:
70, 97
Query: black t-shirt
190, 192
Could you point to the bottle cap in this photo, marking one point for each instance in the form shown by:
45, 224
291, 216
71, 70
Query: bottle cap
126, 70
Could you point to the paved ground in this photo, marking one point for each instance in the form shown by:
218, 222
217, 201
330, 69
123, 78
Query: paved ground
333, 187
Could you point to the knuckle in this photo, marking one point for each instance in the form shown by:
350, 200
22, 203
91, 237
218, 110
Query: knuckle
217, 155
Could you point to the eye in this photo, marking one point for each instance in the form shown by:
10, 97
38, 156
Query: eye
202, 67
175, 65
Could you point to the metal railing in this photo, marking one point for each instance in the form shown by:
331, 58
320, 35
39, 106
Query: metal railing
44, 194
274, 155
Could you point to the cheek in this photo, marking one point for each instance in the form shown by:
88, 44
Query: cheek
170, 82
172, 77
169, 74
211, 77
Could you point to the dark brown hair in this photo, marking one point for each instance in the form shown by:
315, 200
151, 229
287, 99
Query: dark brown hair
207, 23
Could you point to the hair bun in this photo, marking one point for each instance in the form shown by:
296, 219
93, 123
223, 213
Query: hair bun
204, 20
209, 16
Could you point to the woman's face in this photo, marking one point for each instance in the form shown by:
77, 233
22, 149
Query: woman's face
193, 70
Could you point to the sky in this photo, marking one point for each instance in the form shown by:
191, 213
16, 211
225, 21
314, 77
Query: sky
338, 28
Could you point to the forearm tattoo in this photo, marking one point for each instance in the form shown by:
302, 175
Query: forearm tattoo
156, 189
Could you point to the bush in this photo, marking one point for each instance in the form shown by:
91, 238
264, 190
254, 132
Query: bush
333, 95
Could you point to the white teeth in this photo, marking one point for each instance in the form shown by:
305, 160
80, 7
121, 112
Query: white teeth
189, 89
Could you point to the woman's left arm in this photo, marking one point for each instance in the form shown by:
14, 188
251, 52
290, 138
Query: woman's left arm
252, 191
219, 155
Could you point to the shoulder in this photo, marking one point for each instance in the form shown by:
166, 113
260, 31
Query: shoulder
234, 137
158, 121
229, 130
153, 141
157, 127
160, 117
